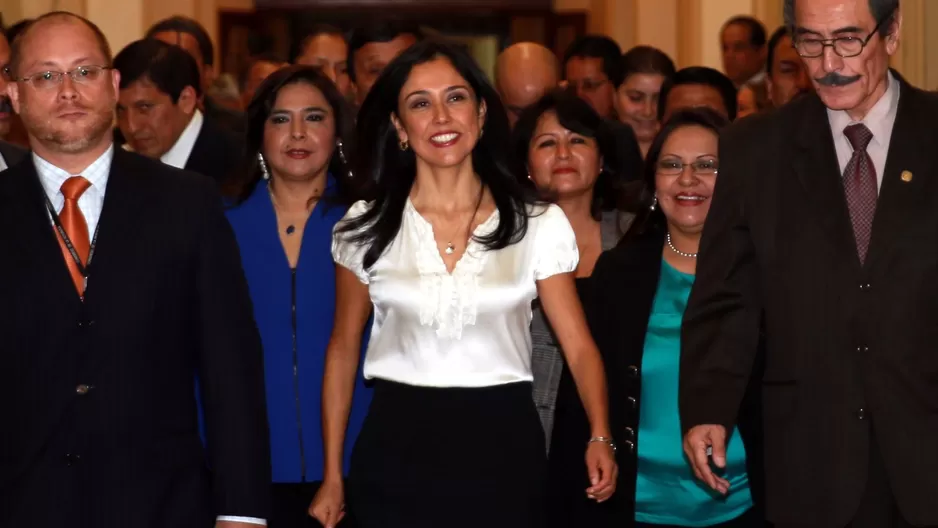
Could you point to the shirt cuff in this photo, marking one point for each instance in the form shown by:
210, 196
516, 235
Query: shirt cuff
249, 520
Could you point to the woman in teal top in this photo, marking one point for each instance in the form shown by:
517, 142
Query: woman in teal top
666, 492
636, 321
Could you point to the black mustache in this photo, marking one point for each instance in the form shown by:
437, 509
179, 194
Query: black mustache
836, 79
6, 105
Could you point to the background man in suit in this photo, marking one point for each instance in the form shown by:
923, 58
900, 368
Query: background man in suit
158, 115
820, 238
103, 336
9, 154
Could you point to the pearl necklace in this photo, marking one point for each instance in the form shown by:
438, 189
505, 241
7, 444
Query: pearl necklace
676, 250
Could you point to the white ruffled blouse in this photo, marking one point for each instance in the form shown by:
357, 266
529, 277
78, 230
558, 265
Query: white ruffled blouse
470, 328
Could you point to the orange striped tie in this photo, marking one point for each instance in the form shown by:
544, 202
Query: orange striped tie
73, 222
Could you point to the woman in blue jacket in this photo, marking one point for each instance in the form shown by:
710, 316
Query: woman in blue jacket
294, 191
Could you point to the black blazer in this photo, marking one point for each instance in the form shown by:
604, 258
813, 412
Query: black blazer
98, 397
216, 153
11, 153
618, 307
850, 348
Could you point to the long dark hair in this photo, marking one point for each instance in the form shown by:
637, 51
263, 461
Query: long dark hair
642, 194
258, 112
388, 173
621, 155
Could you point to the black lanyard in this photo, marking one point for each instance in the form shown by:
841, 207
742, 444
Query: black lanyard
82, 268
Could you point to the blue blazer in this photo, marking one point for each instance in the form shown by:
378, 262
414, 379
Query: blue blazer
294, 377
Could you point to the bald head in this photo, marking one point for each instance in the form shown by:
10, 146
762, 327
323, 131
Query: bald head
50, 19
524, 72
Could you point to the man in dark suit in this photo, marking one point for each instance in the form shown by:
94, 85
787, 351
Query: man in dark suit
817, 234
157, 111
122, 283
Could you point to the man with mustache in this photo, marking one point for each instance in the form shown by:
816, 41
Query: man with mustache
820, 246
104, 336
9, 154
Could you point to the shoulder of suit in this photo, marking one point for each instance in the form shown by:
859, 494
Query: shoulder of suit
155, 170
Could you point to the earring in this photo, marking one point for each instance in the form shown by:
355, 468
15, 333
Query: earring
654, 203
263, 165
481, 131
338, 145
404, 144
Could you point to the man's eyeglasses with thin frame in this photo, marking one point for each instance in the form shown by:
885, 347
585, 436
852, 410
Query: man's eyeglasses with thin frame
47, 80
846, 47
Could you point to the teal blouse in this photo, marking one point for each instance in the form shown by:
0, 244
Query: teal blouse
666, 490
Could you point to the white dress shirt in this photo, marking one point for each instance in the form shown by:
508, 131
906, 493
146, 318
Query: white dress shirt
3, 164
178, 155
880, 120
90, 204
470, 328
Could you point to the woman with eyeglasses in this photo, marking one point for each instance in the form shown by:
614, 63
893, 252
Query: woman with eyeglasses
636, 321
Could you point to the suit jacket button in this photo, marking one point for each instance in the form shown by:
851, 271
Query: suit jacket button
630, 445
71, 459
633, 371
82, 389
861, 414
630, 433
633, 402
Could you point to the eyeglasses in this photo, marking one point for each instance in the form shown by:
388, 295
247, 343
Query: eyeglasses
673, 167
50, 79
846, 47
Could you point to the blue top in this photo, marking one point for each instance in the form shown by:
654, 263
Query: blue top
294, 401
666, 490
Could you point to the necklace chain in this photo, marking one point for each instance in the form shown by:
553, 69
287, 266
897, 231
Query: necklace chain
450, 247
676, 250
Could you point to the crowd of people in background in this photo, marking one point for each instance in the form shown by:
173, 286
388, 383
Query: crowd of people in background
370, 287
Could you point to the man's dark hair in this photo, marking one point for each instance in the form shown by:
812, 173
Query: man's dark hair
270, 57
181, 24
597, 47
168, 67
776, 37
16, 46
701, 75
14, 31
385, 32
646, 59
756, 29
315, 31
880, 9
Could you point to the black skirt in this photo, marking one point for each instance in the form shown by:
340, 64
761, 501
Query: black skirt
449, 457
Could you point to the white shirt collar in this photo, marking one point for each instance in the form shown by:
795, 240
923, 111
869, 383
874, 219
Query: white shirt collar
178, 155
53, 177
879, 119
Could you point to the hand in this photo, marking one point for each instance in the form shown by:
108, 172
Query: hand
696, 442
328, 506
602, 469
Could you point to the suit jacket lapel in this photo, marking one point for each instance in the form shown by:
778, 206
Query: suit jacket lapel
122, 212
815, 163
40, 237
901, 201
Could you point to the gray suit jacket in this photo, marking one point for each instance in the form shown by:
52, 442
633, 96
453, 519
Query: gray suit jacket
11, 153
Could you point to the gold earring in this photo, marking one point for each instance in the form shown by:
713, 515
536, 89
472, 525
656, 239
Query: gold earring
404, 144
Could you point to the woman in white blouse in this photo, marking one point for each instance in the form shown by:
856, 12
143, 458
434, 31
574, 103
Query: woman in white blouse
450, 254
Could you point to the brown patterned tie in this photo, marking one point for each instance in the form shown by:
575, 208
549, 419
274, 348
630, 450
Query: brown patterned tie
860, 187
73, 222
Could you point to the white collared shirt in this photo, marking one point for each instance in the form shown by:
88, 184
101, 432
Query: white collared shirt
178, 155
92, 200
3, 164
90, 204
880, 120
